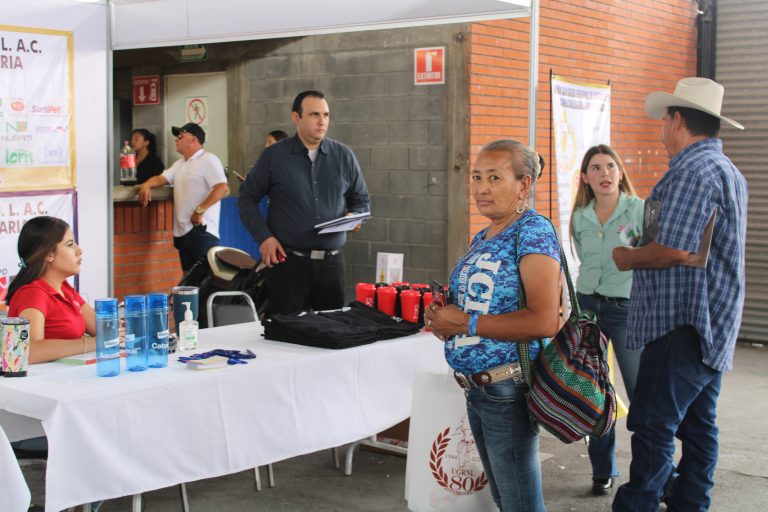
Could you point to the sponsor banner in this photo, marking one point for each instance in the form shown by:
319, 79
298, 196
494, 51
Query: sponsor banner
36, 101
582, 119
15, 210
443, 470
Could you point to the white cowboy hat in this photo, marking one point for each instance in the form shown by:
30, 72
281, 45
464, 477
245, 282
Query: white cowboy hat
696, 93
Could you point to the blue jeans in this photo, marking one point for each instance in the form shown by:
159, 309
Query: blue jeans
676, 395
612, 319
507, 444
193, 246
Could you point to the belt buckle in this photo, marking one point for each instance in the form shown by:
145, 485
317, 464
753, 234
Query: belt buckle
317, 255
516, 372
462, 380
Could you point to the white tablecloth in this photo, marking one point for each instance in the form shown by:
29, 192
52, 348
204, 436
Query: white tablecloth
14, 493
111, 437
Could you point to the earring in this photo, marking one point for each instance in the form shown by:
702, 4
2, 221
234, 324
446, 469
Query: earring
520, 210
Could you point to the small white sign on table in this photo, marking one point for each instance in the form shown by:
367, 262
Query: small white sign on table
389, 267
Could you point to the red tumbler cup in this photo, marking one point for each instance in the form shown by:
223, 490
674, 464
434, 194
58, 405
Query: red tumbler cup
386, 299
365, 293
409, 303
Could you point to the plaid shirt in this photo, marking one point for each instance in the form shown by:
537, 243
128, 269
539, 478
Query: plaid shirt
700, 179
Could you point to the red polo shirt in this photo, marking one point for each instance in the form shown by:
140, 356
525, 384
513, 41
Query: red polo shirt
63, 318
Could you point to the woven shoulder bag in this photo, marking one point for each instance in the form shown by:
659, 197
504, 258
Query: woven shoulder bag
571, 394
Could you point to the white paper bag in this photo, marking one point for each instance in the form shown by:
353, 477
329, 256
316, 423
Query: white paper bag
443, 471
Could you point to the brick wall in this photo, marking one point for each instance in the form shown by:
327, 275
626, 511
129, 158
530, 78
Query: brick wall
640, 47
145, 260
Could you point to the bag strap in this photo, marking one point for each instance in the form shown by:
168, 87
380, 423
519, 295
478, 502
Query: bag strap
523, 348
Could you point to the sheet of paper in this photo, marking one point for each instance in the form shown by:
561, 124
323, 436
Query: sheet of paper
343, 226
343, 220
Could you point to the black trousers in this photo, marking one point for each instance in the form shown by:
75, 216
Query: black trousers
194, 246
301, 283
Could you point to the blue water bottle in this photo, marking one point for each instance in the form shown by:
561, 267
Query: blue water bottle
136, 348
157, 330
107, 338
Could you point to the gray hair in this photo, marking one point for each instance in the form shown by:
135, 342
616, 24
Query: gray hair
525, 160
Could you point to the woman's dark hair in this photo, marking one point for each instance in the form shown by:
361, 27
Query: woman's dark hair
278, 135
38, 238
148, 136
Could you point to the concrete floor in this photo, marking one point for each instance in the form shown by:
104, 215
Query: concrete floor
310, 483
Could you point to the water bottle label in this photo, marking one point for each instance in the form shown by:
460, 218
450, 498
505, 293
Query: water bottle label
127, 161
159, 346
131, 351
162, 334
113, 355
112, 343
130, 337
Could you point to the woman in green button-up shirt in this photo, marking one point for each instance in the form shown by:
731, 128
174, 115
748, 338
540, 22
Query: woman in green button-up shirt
607, 213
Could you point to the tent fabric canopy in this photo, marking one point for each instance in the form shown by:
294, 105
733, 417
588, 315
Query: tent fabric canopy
153, 23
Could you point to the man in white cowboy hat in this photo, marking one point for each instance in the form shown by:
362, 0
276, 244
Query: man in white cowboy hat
686, 318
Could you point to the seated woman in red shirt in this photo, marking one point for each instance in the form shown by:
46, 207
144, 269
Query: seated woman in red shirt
58, 316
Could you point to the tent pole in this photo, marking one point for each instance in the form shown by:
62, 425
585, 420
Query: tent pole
533, 82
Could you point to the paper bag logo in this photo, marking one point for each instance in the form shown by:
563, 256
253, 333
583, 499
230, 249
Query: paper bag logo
454, 461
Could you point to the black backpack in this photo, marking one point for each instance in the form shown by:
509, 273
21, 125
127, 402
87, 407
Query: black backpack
249, 280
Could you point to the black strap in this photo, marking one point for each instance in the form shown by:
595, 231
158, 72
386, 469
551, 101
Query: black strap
523, 348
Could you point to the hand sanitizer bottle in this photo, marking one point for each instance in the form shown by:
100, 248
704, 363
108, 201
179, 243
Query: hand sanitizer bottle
188, 330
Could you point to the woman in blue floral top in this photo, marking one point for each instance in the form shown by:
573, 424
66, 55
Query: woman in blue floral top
485, 324
607, 213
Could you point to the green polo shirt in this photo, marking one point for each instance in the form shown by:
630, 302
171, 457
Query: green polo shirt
594, 243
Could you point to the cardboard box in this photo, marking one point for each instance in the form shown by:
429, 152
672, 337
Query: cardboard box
389, 267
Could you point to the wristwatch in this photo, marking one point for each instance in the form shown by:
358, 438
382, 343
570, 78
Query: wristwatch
199, 211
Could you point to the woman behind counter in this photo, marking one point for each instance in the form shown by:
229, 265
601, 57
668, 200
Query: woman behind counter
148, 163
483, 329
58, 316
607, 213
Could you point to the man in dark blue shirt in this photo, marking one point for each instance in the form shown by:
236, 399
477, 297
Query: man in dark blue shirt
310, 179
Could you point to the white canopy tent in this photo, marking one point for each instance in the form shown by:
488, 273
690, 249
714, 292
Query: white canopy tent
149, 23
100, 26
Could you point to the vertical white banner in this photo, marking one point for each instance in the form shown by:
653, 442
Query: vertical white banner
36, 101
582, 119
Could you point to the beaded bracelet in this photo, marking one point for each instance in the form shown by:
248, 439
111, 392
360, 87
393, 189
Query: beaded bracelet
472, 324
85, 344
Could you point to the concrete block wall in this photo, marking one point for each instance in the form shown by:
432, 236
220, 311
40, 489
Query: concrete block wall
639, 46
396, 129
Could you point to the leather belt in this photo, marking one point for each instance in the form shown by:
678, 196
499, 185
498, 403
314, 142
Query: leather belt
603, 298
497, 374
314, 254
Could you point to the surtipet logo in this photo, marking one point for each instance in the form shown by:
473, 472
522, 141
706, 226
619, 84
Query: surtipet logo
454, 461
